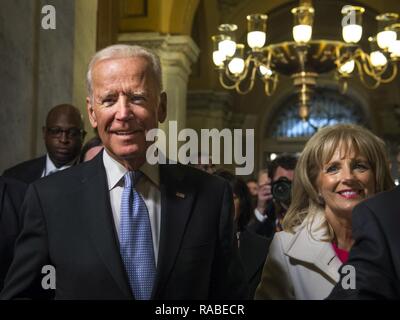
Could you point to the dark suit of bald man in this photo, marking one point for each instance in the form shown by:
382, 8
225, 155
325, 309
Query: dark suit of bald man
11, 197
27, 171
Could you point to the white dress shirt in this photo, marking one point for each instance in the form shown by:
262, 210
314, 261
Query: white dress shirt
148, 187
51, 167
260, 217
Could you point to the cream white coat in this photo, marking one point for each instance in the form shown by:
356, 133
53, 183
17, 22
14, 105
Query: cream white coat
300, 265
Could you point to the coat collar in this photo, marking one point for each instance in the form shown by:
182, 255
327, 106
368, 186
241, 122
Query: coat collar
307, 245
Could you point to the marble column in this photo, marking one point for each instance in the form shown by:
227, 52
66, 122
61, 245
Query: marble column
177, 54
40, 68
19, 30
84, 49
55, 49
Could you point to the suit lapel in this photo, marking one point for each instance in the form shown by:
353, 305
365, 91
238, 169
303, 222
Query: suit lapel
97, 209
38, 168
304, 248
176, 206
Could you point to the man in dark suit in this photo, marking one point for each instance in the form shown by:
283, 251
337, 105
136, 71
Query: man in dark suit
63, 135
375, 254
78, 221
11, 196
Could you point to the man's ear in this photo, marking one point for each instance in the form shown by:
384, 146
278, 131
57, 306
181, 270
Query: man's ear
91, 113
162, 107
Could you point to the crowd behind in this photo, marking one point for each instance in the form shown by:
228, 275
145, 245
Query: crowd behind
296, 225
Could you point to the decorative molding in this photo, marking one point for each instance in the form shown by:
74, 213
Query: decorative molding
207, 100
133, 9
179, 51
218, 105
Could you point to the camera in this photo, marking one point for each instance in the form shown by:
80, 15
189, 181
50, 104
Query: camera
281, 190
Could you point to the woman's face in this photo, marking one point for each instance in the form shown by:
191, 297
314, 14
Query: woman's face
344, 181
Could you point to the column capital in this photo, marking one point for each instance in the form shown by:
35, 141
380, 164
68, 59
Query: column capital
173, 50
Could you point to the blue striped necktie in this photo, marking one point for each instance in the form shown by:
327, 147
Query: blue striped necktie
136, 241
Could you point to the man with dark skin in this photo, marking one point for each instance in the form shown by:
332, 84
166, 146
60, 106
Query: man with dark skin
63, 135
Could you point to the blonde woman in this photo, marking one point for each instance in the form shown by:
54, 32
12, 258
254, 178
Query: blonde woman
339, 167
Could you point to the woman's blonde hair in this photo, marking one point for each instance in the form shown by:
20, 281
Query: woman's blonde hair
318, 151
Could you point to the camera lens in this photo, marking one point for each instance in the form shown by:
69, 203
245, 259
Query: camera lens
281, 190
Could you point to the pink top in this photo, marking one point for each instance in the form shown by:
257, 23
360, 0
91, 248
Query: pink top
343, 255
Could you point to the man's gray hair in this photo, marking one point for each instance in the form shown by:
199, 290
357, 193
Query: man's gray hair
125, 51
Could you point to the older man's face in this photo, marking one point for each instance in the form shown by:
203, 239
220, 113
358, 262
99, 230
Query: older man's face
126, 105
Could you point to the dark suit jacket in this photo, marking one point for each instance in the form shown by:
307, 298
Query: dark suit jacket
253, 252
69, 224
11, 196
375, 254
27, 171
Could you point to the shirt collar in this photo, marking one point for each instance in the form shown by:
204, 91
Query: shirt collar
50, 166
115, 171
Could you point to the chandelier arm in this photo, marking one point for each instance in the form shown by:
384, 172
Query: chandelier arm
367, 65
229, 76
274, 83
373, 72
273, 79
362, 78
392, 76
342, 82
338, 55
252, 80
267, 87
243, 75
381, 71
225, 85
343, 57
378, 75
269, 57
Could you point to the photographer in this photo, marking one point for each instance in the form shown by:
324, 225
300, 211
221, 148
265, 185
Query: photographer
273, 196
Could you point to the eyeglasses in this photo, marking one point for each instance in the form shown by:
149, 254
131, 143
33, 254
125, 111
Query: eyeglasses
57, 132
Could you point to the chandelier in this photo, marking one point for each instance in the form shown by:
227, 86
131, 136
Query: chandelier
304, 59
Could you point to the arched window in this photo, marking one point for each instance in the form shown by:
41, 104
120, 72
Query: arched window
327, 107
